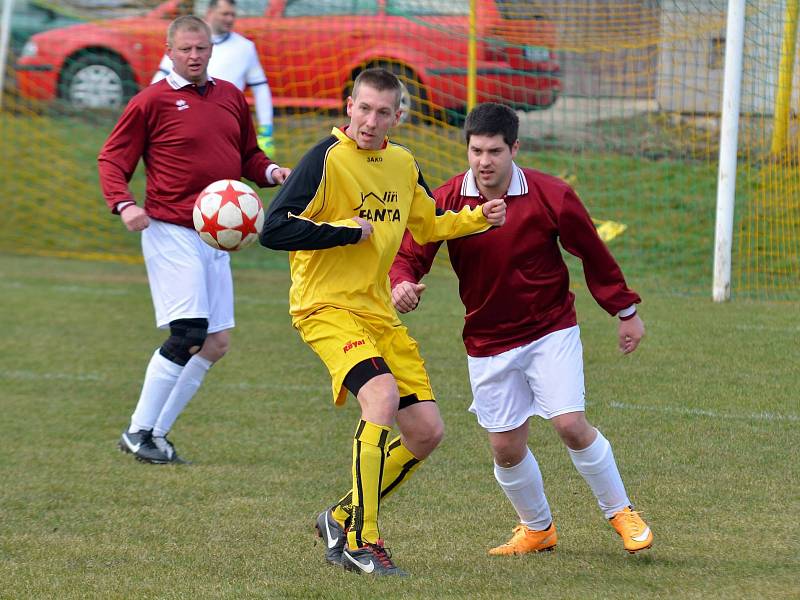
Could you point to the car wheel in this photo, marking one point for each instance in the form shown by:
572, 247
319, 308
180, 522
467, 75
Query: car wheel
545, 100
96, 80
456, 116
549, 99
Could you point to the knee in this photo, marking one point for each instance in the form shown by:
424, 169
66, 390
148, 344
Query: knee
432, 435
509, 447
439, 433
424, 437
216, 346
574, 430
507, 454
187, 337
379, 399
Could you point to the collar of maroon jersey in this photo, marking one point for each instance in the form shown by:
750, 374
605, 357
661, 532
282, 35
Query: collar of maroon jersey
177, 82
518, 186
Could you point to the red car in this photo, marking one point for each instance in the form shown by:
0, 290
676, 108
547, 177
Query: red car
312, 49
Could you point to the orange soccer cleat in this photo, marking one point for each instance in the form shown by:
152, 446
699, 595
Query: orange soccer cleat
635, 533
527, 540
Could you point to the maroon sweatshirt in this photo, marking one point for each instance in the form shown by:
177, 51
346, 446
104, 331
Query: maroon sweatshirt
187, 139
512, 279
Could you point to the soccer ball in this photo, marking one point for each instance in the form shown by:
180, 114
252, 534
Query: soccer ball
228, 215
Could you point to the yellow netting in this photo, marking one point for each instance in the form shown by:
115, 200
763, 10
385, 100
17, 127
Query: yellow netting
631, 118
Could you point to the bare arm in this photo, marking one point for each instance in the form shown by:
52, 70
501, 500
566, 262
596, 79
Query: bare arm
631, 332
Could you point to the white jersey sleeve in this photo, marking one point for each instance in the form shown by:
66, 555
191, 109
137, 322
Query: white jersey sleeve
256, 80
255, 74
262, 97
164, 67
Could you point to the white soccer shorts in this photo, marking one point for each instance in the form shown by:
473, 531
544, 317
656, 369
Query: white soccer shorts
188, 278
542, 378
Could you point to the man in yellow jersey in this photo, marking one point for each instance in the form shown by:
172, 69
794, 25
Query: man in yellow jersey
342, 214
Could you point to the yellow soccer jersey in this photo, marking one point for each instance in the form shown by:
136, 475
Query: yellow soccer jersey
312, 218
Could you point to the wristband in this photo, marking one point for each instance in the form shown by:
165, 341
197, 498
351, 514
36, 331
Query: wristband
122, 209
627, 313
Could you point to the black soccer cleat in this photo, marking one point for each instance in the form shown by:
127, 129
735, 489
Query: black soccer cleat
372, 559
332, 534
141, 445
168, 449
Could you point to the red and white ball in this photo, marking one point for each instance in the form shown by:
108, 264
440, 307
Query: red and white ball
228, 215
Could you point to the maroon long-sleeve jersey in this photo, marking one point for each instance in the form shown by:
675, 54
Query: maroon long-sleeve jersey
187, 140
512, 279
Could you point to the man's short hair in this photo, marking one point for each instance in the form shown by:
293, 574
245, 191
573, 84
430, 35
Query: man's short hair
186, 23
492, 119
212, 4
381, 80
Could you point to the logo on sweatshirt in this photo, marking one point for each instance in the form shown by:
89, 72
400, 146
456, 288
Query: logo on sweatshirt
380, 209
352, 344
181, 104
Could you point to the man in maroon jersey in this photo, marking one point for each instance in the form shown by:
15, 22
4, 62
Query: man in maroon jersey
520, 330
191, 130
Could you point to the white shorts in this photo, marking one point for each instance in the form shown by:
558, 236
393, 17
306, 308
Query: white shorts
188, 278
542, 378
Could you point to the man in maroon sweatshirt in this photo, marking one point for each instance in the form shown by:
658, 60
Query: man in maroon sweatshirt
520, 329
191, 130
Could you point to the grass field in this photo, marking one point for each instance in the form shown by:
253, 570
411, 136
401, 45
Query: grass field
704, 419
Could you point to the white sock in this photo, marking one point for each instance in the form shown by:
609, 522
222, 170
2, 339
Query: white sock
524, 487
597, 466
159, 379
185, 388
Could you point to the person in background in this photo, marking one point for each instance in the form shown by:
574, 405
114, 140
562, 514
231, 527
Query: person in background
235, 59
190, 130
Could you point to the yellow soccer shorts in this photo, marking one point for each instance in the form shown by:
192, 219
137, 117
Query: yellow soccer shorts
343, 339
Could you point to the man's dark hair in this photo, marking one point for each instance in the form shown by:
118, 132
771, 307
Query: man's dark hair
381, 80
491, 119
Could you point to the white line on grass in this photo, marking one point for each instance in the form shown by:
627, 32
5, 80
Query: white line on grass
267, 301
69, 288
242, 385
293, 387
34, 375
700, 412
674, 410
82, 289
757, 327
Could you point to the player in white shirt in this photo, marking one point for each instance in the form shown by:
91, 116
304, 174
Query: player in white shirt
235, 59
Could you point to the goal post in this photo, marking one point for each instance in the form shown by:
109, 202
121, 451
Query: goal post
472, 60
5, 29
784, 96
729, 133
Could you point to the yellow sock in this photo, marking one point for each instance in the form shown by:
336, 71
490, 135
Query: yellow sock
399, 466
369, 455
